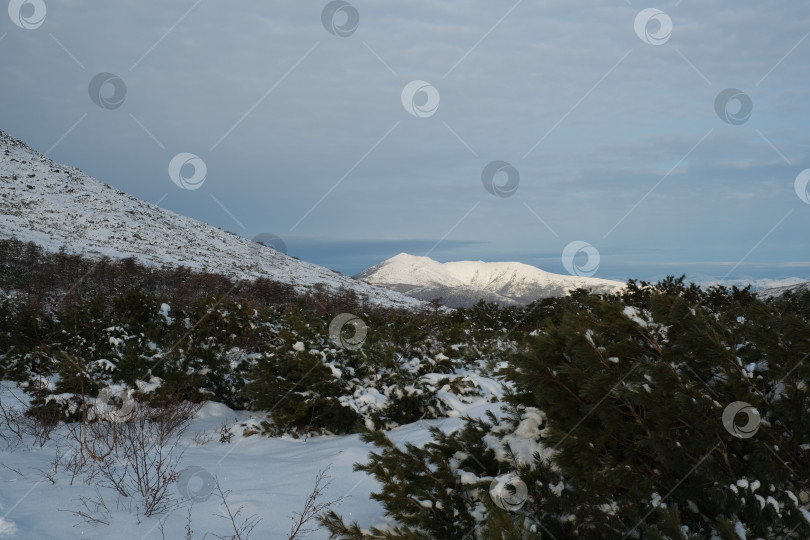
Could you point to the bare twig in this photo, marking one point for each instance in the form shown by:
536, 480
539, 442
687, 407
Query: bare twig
12, 469
242, 527
189, 530
312, 508
94, 511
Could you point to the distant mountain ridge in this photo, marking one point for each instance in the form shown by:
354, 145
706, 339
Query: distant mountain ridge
774, 292
54, 205
760, 284
464, 283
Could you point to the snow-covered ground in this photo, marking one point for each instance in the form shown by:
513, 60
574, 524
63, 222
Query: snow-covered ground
272, 477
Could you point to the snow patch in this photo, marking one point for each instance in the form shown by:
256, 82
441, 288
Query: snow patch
164, 312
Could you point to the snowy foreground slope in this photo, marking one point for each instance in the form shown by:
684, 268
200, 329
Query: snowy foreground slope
272, 477
463, 283
54, 205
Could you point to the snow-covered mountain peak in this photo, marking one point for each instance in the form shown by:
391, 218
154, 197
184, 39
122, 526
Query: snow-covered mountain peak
465, 282
410, 270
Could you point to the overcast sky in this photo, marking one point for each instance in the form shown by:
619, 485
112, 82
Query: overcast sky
607, 122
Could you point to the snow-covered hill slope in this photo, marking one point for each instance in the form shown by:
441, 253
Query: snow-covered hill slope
774, 292
464, 283
755, 284
54, 206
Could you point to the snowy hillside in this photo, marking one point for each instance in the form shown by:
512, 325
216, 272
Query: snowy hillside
54, 206
761, 284
776, 291
463, 283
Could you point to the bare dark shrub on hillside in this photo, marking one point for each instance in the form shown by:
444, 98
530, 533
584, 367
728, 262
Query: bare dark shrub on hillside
45, 281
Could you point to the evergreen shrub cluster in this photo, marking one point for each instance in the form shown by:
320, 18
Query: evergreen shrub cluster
70, 327
615, 427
